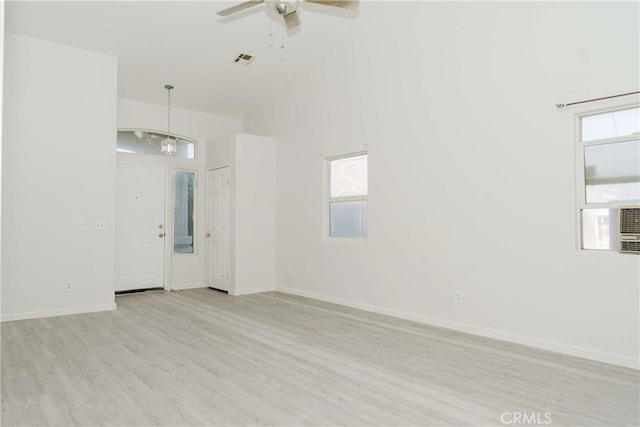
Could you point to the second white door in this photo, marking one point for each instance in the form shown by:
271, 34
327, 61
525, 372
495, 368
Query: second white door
218, 234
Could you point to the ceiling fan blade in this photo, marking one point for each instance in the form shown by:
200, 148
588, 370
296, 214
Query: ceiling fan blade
237, 8
292, 20
345, 4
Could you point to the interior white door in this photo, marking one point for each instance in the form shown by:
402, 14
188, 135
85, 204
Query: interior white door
140, 228
218, 233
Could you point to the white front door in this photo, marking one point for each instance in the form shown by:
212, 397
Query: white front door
140, 227
218, 234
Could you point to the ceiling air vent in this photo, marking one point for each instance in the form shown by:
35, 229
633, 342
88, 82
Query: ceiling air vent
629, 223
243, 58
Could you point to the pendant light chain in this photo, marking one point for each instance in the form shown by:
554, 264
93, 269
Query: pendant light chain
168, 87
169, 146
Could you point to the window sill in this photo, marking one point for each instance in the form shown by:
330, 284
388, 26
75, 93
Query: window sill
346, 239
604, 252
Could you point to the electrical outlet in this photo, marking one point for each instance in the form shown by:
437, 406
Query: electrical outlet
457, 297
81, 225
290, 272
100, 225
68, 287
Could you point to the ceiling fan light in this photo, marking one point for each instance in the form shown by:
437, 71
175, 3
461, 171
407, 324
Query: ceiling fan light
282, 7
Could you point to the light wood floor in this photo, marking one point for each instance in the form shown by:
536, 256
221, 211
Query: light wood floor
200, 357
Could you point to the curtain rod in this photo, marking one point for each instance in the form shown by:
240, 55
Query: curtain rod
596, 99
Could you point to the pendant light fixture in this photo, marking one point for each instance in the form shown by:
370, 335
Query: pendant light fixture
168, 145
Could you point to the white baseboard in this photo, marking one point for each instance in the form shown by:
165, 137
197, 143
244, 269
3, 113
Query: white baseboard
183, 286
586, 353
238, 292
59, 312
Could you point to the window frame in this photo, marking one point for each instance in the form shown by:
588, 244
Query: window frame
581, 186
194, 209
327, 199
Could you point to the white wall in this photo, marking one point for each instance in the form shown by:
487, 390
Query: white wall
254, 214
252, 162
186, 270
58, 168
1, 97
472, 170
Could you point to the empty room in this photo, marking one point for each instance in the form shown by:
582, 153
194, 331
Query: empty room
320, 213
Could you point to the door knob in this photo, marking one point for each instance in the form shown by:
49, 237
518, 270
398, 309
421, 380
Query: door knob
207, 235
161, 235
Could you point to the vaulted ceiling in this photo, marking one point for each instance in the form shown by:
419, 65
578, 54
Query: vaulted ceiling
188, 45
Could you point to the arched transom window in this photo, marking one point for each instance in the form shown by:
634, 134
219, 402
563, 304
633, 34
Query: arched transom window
137, 141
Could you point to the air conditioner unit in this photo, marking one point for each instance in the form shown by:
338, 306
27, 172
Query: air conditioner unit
629, 223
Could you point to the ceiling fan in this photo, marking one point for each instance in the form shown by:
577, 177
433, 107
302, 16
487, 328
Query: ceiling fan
288, 9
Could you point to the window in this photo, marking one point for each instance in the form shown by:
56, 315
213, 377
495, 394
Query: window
147, 142
347, 196
183, 193
609, 144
